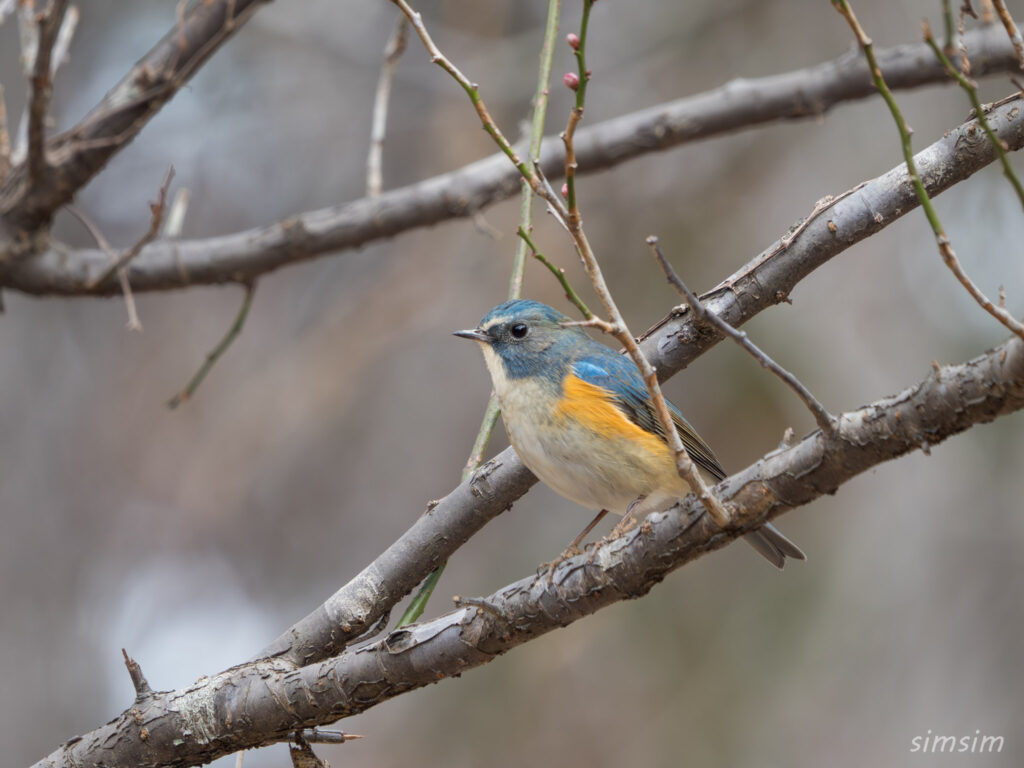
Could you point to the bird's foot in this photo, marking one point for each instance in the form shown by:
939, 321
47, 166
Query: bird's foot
571, 551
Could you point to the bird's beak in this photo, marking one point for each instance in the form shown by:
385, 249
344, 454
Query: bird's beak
475, 335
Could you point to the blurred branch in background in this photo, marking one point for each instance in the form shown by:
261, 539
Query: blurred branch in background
1011, 29
268, 700
741, 104
29, 198
392, 53
215, 354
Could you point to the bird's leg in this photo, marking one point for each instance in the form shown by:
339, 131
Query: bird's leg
628, 521
574, 546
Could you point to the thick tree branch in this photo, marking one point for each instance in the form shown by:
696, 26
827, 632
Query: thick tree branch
835, 225
257, 703
740, 104
765, 281
27, 202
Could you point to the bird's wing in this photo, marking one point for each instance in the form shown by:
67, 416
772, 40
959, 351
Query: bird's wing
618, 376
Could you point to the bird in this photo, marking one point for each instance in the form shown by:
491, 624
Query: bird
581, 419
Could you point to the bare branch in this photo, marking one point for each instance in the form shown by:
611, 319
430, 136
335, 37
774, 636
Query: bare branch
473, 92
134, 324
174, 221
248, 705
49, 24
156, 211
164, 266
5, 139
142, 689
78, 154
1011, 29
392, 53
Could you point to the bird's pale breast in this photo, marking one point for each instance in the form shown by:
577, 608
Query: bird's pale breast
578, 442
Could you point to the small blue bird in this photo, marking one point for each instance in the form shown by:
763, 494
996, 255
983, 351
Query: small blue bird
579, 416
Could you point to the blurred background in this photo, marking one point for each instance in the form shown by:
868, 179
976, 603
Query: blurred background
192, 538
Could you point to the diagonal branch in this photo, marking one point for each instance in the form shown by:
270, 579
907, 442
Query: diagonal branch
740, 104
79, 154
825, 421
252, 704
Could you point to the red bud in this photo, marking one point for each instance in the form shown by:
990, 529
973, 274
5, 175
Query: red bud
573, 40
565, 190
571, 80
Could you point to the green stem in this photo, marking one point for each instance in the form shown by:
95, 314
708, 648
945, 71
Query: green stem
559, 274
947, 22
215, 353
901, 124
577, 112
972, 93
515, 288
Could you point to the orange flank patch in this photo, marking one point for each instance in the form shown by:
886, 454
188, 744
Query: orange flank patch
593, 408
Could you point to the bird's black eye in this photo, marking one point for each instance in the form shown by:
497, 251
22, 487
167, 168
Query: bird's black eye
519, 330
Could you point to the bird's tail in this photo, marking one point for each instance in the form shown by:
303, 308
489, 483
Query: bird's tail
773, 546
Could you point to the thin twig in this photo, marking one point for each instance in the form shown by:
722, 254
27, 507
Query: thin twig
576, 114
824, 419
156, 217
947, 22
48, 24
7, 7
966, 9
617, 327
392, 53
5, 139
942, 241
515, 288
142, 689
1011, 29
215, 354
64, 36
559, 274
473, 91
988, 12
174, 221
970, 87
322, 736
540, 111
134, 324
302, 754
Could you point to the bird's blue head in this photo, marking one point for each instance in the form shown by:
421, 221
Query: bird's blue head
524, 338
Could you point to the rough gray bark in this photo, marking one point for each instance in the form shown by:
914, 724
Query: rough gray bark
166, 265
253, 704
